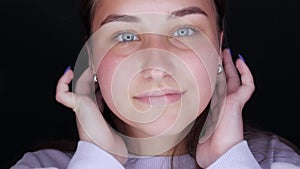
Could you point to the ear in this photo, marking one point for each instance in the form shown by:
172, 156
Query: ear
221, 46
89, 52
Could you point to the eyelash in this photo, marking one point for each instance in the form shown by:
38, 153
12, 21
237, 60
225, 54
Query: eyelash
120, 37
135, 37
188, 29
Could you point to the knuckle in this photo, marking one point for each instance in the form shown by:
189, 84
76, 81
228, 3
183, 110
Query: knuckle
252, 87
58, 97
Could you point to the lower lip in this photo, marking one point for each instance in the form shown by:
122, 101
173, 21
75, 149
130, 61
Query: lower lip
160, 100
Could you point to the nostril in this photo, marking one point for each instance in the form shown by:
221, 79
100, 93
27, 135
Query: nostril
154, 73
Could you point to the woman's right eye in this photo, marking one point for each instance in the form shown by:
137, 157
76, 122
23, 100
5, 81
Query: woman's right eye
126, 37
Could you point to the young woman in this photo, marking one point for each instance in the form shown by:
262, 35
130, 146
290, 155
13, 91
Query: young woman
153, 88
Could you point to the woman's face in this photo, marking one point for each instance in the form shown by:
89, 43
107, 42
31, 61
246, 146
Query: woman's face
156, 61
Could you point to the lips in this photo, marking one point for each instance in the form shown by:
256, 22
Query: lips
159, 97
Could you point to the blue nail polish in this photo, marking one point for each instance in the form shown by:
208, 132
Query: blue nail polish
230, 51
69, 67
241, 57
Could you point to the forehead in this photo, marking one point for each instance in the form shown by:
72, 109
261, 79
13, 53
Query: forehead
104, 8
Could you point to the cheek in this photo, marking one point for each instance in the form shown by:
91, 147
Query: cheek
205, 90
204, 82
105, 74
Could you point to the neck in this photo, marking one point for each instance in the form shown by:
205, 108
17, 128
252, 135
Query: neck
179, 149
164, 145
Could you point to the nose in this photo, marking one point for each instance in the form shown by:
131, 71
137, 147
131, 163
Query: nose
157, 62
155, 74
151, 40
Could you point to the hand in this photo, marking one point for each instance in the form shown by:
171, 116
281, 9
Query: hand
91, 125
230, 128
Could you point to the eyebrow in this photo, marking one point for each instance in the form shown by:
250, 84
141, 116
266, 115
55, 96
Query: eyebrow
120, 18
189, 11
129, 18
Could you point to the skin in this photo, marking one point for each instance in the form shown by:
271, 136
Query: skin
155, 79
229, 130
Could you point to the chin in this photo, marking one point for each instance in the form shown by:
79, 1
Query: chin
164, 126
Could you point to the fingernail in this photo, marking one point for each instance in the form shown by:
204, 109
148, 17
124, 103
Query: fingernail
69, 67
241, 57
230, 51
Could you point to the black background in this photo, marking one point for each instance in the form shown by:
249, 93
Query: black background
40, 38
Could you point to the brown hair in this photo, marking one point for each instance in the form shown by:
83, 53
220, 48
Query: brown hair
87, 9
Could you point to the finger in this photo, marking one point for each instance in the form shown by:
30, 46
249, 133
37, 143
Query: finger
63, 95
232, 76
247, 87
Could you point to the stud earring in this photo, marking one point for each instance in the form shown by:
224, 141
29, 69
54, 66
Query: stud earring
95, 78
220, 69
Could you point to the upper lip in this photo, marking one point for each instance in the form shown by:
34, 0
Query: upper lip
158, 93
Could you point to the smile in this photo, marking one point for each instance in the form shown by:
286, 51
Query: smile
159, 97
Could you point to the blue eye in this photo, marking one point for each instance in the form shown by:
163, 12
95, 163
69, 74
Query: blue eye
185, 31
126, 37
